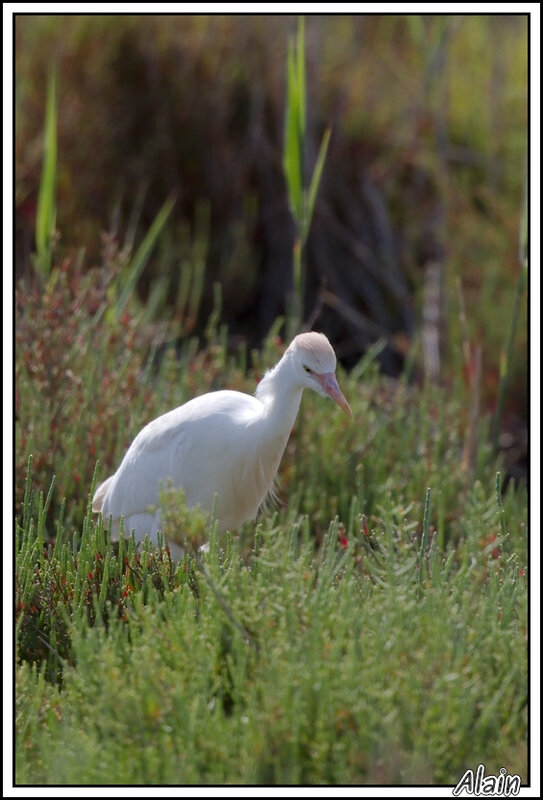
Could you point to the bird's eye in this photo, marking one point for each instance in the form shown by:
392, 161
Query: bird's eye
308, 370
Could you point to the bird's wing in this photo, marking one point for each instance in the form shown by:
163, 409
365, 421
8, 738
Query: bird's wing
154, 457
192, 446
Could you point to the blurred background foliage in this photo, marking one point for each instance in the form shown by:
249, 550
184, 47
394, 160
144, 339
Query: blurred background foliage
415, 236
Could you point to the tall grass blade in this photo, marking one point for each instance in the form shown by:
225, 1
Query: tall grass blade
314, 185
143, 252
46, 205
301, 199
292, 147
27, 502
424, 540
300, 79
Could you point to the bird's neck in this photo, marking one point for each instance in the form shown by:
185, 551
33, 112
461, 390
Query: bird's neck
281, 396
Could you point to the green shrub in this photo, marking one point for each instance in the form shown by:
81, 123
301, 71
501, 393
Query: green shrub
282, 663
351, 637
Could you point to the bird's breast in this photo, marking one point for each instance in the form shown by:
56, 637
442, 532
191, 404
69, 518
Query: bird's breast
252, 480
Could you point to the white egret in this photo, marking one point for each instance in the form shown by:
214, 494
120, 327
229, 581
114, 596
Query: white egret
222, 448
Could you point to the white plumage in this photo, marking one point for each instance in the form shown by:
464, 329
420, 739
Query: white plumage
225, 445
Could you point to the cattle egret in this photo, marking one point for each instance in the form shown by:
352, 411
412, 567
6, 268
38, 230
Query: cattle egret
223, 448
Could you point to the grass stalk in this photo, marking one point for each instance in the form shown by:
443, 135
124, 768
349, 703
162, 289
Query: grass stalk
141, 256
46, 205
424, 539
301, 197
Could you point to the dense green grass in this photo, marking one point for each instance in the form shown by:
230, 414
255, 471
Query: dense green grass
279, 664
333, 642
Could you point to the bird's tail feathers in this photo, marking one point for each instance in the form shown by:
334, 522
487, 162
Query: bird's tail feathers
99, 495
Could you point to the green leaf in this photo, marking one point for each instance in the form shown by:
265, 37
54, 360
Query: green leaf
314, 185
46, 206
292, 148
300, 79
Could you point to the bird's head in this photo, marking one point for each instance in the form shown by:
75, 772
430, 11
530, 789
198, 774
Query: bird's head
314, 362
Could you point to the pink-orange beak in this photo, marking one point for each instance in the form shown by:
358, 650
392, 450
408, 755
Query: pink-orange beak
329, 383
